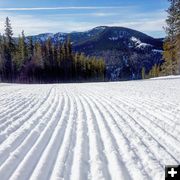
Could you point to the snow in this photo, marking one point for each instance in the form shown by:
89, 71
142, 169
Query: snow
167, 77
44, 37
134, 39
100, 28
143, 45
138, 43
113, 38
157, 51
117, 130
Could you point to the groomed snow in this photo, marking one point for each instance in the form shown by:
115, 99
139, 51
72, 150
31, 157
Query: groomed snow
167, 77
112, 131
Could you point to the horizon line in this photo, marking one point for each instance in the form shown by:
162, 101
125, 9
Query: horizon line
90, 30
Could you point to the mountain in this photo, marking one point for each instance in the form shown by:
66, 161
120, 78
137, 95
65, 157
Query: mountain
124, 50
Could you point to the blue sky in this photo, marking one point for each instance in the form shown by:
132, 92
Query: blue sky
40, 16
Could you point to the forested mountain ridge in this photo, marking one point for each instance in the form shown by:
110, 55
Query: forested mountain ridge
25, 61
95, 34
124, 50
111, 53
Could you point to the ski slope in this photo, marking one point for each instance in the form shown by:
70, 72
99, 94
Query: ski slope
110, 131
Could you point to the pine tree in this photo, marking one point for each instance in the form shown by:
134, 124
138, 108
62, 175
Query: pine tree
2, 58
177, 29
154, 72
178, 52
9, 50
143, 72
38, 56
30, 47
171, 44
21, 53
69, 48
24, 49
17, 57
177, 17
101, 68
9, 35
49, 47
25, 61
169, 55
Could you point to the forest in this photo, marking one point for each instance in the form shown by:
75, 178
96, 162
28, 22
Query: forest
171, 45
23, 61
172, 41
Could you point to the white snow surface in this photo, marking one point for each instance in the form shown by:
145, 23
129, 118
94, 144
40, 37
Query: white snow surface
139, 44
167, 77
110, 131
157, 51
134, 39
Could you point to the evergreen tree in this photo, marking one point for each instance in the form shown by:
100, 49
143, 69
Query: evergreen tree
25, 61
169, 55
69, 48
9, 35
9, 50
21, 53
24, 49
154, 72
143, 73
178, 52
30, 47
171, 44
39, 63
177, 29
2, 58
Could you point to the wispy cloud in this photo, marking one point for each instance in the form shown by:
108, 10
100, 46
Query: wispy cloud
64, 8
144, 26
146, 22
36, 23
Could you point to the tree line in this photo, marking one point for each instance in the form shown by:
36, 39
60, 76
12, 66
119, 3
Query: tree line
172, 42
171, 45
22, 60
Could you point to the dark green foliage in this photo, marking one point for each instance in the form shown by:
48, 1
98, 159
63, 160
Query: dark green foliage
45, 62
154, 72
172, 42
124, 60
143, 72
8, 48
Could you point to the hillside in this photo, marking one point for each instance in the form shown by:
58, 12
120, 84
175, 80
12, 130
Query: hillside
125, 50
74, 131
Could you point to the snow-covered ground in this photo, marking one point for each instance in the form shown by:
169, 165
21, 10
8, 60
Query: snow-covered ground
167, 77
113, 131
